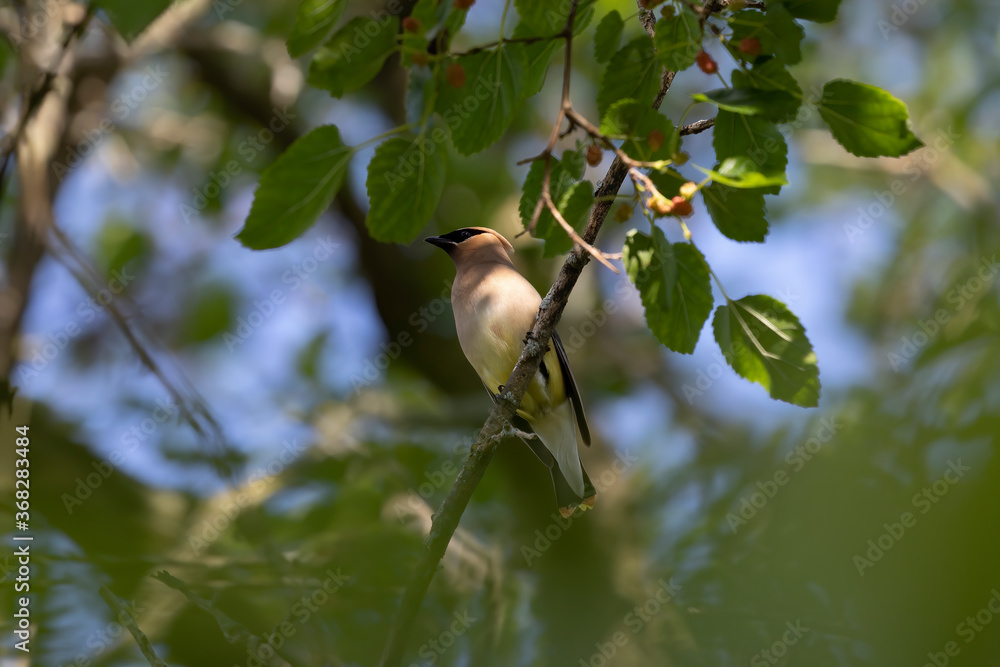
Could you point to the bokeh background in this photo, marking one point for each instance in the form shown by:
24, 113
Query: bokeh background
288, 444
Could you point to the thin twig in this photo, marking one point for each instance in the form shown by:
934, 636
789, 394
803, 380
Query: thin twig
234, 632
565, 108
507, 40
697, 127
598, 255
37, 95
123, 614
191, 408
481, 453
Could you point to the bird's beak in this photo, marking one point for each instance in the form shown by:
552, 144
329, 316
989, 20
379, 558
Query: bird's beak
442, 243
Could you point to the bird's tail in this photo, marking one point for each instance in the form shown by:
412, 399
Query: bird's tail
567, 498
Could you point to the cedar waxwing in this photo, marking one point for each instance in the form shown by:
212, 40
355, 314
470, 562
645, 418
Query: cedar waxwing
495, 309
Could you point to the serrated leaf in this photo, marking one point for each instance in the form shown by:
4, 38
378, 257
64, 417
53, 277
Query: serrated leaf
129, 17
548, 17
741, 172
820, 11
738, 214
353, 56
638, 145
765, 343
313, 22
752, 101
574, 205
296, 189
674, 285
622, 117
867, 120
779, 33
632, 73
772, 75
738, 135
536, 57
480, 111
608, 36
405, 181
636, 122
574, 162
678, 40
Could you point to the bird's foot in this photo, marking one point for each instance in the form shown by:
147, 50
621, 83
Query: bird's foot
511, 431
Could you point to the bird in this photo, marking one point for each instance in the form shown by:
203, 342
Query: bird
495, 309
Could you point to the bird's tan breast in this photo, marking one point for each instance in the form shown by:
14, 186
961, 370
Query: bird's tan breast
494, 308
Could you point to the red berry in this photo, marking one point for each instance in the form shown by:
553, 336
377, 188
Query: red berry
655, 140
750, 46
411, 24
705, 62
455, 75
464, 4
594, 155
681, 207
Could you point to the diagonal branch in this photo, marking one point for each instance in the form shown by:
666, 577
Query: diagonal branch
125, 617
234, 632
481, 453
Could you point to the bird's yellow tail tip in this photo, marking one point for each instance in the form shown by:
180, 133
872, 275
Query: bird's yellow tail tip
586, 504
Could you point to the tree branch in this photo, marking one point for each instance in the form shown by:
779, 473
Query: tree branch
124, 616
234, 632
697, 127
481, 453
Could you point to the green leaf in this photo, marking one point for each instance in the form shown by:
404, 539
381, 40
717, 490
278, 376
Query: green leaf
428, 12
750, 101
765, 343
737, 135
313, 23
820, 11
741, 172
548, 17
405, 181
633, 72
421, 92
130, 18
623, 117
667, 181
296, 189
574, 162
353, 56
536, 57
480, 111
738, 214
638, 146
560, 181
772, 75
608, 36
673, 283
636, 122
574, 205
779, 33
678, 40
867, 120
